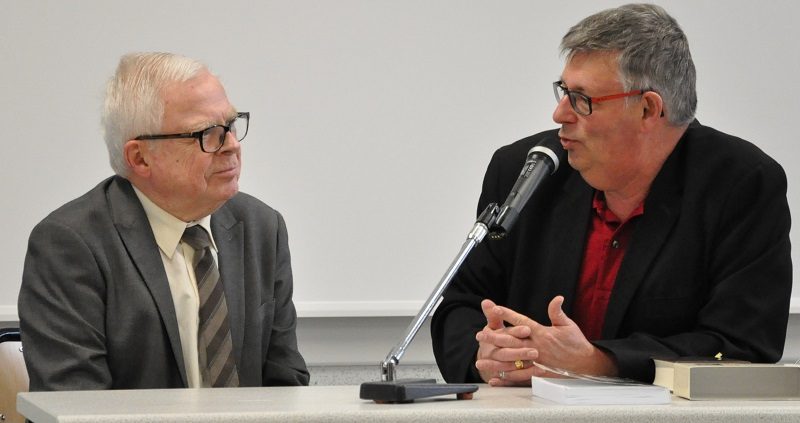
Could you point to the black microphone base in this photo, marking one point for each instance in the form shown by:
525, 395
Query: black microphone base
407, 390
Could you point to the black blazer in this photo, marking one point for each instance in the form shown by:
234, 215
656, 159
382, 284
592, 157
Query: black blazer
708, 269
95, 306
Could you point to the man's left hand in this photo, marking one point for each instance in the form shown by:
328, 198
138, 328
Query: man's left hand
561, 345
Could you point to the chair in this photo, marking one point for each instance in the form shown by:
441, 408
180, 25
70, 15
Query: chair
13, 375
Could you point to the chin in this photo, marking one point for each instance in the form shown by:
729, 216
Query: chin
226, 192
231, 192
574, 162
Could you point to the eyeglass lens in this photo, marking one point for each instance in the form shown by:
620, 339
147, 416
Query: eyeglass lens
214, 137
579, 103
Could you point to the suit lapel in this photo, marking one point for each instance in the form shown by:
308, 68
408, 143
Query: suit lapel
661, 211
133, 227
228, 234
574, 206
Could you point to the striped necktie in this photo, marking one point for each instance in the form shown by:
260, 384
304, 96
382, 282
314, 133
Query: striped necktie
214, 345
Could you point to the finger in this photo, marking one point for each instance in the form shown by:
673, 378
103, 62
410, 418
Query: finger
493, 365
556, 313
499, 339
514, 318
492, 321
493, 368
511, 378
489, 365
497, 382
520, 332
510, 355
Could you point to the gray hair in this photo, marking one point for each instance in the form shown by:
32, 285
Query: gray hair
133, 105
653, 53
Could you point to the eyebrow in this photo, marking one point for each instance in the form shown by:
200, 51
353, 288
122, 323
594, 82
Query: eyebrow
207, 124
577, 89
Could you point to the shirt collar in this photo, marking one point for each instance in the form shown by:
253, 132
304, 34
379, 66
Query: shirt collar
605, 214
167, 228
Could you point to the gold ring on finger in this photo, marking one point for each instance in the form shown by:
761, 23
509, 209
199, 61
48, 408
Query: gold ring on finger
519, 364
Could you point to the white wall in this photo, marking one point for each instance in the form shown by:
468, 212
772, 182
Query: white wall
372, 121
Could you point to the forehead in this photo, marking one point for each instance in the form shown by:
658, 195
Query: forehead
592, 72
198, 101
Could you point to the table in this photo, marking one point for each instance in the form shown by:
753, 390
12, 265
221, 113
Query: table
342, 404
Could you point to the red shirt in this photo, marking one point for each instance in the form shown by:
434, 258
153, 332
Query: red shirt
607, 241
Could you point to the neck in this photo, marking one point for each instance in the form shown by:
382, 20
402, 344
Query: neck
621, 205
185, 212
624, 199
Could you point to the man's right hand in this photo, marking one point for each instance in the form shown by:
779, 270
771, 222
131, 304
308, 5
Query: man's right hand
497, 357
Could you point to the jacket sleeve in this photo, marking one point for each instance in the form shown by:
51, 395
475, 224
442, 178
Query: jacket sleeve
62, 312
283, 364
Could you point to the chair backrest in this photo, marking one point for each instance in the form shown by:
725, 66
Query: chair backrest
13, 375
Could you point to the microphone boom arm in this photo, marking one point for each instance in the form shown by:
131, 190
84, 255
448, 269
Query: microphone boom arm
541, 162
485, 221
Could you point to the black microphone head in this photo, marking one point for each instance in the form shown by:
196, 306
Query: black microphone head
542, 161
551, 148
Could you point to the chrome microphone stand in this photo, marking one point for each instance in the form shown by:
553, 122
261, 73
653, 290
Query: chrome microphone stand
392, 390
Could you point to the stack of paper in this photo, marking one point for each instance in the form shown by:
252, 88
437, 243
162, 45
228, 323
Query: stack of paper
578, 391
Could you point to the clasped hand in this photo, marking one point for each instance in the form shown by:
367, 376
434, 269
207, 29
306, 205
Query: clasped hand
505, 353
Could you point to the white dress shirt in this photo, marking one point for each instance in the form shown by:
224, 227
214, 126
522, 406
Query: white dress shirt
178, 258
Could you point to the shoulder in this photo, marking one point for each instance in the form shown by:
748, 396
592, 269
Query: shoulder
730, 158
243, 203
717, 147
244, 207
86, 211
722, 174
83, 227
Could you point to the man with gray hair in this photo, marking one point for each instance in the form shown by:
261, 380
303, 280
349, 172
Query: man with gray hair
662, 238
164, 275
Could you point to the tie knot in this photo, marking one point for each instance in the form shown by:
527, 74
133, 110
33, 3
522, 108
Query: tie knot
197, 237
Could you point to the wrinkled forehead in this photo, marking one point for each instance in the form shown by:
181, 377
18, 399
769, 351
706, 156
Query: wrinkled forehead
196, 103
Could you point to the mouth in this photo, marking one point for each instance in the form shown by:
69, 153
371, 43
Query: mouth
230, 171
567, 142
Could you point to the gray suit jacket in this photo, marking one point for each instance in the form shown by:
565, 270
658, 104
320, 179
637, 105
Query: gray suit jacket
95, 306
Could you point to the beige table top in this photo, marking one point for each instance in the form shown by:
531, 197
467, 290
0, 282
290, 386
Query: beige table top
342, 404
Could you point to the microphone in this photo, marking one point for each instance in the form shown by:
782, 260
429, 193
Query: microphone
542, 161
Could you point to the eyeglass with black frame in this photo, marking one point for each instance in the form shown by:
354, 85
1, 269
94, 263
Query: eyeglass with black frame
582, 103
212, 138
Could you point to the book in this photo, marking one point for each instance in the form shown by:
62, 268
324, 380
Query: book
665, 368
711, 380
665, 373
590, 392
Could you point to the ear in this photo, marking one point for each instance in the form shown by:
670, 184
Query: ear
137, 157
653, 110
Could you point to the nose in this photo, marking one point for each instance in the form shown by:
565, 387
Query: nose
230, 145
564, 112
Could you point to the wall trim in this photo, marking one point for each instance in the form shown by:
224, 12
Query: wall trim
317, 309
